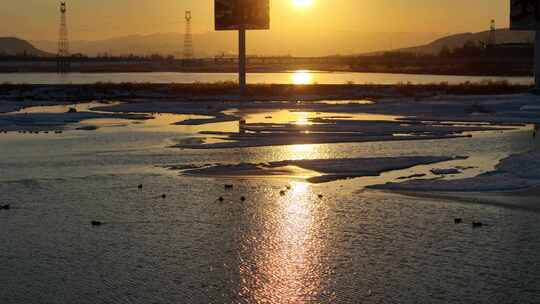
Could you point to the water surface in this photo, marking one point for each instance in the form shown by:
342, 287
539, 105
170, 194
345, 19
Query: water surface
350, 246
293, 77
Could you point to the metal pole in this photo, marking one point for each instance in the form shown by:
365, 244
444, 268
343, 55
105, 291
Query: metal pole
537, 63
242, 60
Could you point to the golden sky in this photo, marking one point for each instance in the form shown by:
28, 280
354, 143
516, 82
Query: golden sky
101, 19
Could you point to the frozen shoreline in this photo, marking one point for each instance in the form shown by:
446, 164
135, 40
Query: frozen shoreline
522, 199
515, 173
435, 117
423, 116
319, 170
14, 118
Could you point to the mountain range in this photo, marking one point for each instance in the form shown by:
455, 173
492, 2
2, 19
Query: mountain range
458, 40
266, 44
15, 46
258, 43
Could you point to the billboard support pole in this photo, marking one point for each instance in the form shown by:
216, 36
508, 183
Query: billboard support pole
242, 59
242, 15
537, 62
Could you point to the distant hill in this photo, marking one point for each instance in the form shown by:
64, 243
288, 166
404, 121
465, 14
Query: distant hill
259, 43
15, 46
458, 40
269, 43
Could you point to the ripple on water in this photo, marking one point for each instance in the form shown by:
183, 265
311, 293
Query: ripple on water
346, 247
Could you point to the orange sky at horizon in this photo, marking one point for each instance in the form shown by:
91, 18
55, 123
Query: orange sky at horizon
102, 19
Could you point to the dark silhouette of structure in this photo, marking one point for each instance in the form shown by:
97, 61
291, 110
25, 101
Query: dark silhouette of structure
63, 57
525, 8
189, 53
492, 40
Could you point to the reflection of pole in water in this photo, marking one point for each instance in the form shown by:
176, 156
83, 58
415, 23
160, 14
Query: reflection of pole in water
242, 124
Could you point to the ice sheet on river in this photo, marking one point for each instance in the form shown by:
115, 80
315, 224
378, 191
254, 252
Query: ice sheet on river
53, 121
516, 172
330, 130
326, 169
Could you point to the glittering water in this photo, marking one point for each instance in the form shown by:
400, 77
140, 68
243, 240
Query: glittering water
350, 246
303, 117
293, 77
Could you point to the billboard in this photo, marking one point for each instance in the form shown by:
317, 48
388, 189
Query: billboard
231, 14
525, 15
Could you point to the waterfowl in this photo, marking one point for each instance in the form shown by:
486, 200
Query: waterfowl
96, 223
477, 224
458, 221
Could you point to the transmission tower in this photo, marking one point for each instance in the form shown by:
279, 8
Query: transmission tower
63, 64
492, 40
188, 38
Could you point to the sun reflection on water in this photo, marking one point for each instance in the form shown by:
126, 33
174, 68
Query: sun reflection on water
303, 119
296, 152
289, 261
302, 77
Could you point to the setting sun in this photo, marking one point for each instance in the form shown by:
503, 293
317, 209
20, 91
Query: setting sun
270, 151
302, 3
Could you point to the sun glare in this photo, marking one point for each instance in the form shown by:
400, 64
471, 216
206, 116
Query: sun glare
302, 3
302, 77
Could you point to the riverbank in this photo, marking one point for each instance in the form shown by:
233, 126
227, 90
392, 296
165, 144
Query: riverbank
519, 65
229, 90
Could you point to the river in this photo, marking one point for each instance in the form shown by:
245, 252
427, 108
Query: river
293, 77
351, 246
